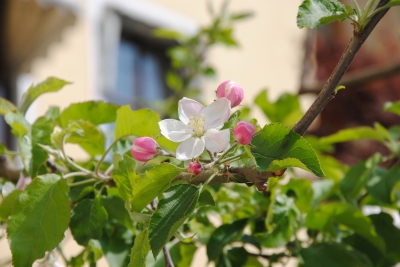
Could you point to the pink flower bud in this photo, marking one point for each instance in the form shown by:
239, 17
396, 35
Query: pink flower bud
244, 132
232, 91
144, 148
194, 168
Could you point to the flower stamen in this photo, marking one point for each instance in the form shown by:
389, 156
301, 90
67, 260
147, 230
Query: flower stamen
197, 122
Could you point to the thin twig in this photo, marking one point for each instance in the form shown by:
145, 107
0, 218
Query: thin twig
347, 57
167, 258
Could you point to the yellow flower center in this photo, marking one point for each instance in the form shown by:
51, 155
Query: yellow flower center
196, 122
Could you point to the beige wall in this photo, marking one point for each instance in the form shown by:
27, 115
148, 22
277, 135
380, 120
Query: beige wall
269, 56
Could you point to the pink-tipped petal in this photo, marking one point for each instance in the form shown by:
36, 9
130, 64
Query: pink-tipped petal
187, 108
175, 130
190, 148
217, 141
144, 148
216, 114
231, 90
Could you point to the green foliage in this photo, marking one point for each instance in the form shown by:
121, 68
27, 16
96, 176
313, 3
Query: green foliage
88, 218
277, 145
143, 122
174, 208
314, 13
140, 250
49, 85
38, 220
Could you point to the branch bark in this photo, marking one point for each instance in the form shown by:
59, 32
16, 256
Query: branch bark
328, 91
358, 77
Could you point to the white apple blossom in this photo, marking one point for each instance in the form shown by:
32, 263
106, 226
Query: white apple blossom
198, 128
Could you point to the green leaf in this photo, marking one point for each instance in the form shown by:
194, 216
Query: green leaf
242, 15
142, 122
333, 255
96, 112
33, 156
150, 184
392, 107
39, 219
87, 220
381, 183
42, 128
19, 125
115, 208
7, 204
277, 142
49, 85
206, 199
57, 138
233, 120
6, 106
322, 189
92, 140
284, 223
286, 109
224, 235
327, 215
178, 203
140, 250
302, 191
123, 175
314, 13
352, 134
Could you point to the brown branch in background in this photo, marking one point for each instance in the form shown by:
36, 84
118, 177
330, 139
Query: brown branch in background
8, 170
167, 257
347, 57
358, 77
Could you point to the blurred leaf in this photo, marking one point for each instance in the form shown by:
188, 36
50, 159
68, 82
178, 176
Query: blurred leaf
39, 219
322, 189
233, 120
352, 134
235, 257
42, 128
314, 13
91, 139
96, 112
140, 250
224, 235
19, 125
303, 193
174, 208
142, 122
57, 138
206, 199
87, 220
242, 15
173, 81
285, 110
168, 34
328, 215
392, 107
181, 255
381, 183
284, 223
278, 142
6, 106
51, 84
333, 255
7, 205
115, 208
33, 156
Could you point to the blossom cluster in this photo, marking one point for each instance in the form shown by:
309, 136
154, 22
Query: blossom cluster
199, 128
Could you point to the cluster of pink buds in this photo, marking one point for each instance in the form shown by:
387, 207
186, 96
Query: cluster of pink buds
244, 132
144, 149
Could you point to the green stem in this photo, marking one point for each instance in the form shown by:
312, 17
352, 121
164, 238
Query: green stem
226, 153
76, 166
88, 181
208, 180
73, 174
233, 158
96, 170
358, 8
389, 5
367, 9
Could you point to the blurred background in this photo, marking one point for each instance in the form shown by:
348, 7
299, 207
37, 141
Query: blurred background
109, 50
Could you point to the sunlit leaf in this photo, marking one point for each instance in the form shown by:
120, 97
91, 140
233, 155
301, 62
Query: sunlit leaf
6, 106
140, 250
49, 85
39, 219
314, 13
278, 142
178, 203
351, 135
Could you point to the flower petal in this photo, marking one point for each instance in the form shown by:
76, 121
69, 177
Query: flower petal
175, 130
190, 148
187, 108
217, 113
217, 141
